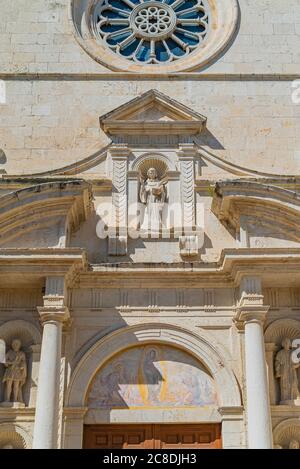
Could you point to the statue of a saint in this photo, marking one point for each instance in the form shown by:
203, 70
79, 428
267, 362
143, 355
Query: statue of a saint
153, 195
15, 373
286, 371
294, 444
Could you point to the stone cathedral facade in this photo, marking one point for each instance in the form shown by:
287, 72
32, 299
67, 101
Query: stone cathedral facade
149, 224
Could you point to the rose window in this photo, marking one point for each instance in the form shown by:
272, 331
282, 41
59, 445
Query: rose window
150, 31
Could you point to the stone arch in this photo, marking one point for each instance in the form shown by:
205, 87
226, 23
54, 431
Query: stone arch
198, 346
280, 329
31, 339
286, 431
14, 435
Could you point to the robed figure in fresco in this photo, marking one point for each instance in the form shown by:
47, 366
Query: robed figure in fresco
153, 195
286, 371
16, 372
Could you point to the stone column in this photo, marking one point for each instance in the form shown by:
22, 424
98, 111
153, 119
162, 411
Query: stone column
252, 313
53, 314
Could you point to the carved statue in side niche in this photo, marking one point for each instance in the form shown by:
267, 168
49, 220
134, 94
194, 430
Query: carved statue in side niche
286, 372
16, 372
153, 195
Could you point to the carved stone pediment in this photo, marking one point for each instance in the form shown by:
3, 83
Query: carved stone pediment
152, 113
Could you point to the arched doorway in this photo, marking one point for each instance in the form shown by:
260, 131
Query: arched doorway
154, 380
154, 386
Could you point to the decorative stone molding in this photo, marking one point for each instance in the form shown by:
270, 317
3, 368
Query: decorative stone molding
13, 436
281, 328
88, 30
117, 243
251, 307
27, 332
238, 203
187, 190
188, 244
49, 314
252, 313
152, 160
196, 344
285, 432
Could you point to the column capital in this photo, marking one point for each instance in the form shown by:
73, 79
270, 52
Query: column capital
53, 314
251, 305
255, 313
186, 151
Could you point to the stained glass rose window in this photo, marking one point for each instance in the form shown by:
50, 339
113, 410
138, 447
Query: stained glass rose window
151, 32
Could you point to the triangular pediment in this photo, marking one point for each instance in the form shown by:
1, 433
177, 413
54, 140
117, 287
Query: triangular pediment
154, 113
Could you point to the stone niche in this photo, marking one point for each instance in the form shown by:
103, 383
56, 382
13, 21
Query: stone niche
14, 437
153, 163
30, 338
283, 368
287, 434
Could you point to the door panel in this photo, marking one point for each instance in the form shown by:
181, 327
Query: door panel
118, 436
163, 436
206, 436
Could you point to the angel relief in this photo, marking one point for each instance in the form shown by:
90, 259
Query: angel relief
153, 195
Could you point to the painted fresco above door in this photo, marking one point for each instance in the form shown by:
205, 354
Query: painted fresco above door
152, 377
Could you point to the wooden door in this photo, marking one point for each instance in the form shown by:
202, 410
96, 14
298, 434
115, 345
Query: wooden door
207, 436
118, 437
156, 436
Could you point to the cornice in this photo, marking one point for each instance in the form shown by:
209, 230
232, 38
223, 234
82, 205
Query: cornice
228, 271
34, 264
179, 76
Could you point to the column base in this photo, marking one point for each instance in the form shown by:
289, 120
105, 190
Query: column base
12, 405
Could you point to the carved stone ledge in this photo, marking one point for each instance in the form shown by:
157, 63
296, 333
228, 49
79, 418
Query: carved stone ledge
125, 309
188, 246
182, 309
231, 413
153, 309
117, 246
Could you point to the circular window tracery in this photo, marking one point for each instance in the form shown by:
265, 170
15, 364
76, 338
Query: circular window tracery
128, 36
151, 32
